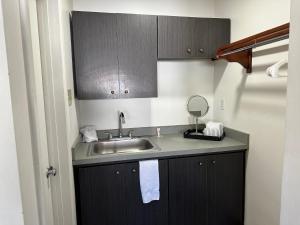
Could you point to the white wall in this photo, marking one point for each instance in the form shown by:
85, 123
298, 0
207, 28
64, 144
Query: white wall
291, 178
11, 212
65, 8
188, 77
256, 104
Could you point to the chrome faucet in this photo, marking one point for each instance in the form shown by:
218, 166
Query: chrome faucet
121, 121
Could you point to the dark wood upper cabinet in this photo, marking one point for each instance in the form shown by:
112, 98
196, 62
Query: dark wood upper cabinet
95, 55
115, 55
137, 55
182, 37
189, 37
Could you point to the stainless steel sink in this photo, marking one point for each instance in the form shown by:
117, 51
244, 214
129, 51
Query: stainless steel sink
129, 145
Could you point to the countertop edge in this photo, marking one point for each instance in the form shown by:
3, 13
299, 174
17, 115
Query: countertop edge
159, 155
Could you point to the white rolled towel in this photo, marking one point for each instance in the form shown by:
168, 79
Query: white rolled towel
214, 129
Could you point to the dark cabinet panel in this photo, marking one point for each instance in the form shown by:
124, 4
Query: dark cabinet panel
110, 195
219, 34
137, 54
200, 190
182, 37
153, 213
189, 37
226, 184
201, 38
95, 55
188, 191
102, 200
175, 37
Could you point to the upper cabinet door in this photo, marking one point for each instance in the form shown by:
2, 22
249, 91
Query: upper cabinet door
182, 37
219, 34
137, 55
201, 38
175, 37
95, 55
188, 37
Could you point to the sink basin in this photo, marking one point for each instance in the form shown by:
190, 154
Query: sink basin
133, 145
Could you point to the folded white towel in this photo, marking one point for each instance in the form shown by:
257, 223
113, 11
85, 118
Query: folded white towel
214, 129
149, 180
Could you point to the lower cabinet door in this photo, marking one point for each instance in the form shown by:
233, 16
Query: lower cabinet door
111, 195
188, 191
226, 185
102, 197
153, 213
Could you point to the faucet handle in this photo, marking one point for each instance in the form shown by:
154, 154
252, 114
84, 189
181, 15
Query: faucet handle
109, 135
130, 133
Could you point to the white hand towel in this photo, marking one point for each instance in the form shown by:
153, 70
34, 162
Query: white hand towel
149, 180
215, 129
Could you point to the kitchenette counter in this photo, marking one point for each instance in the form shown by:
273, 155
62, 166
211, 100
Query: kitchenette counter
171, 145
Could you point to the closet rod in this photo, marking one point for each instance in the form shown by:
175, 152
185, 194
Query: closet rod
283, 37
241, 51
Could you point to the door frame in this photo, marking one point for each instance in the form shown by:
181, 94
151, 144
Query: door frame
38, 91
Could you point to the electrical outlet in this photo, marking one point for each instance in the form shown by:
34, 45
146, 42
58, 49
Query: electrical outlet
222, 104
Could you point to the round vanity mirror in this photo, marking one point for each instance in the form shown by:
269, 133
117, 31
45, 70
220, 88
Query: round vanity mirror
197, 106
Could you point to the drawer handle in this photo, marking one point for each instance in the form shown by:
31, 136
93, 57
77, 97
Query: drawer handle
189, 50
117, 172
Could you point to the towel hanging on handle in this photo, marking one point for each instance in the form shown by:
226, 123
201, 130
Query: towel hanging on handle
149, 180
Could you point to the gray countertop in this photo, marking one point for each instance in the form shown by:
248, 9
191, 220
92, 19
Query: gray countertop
171, 145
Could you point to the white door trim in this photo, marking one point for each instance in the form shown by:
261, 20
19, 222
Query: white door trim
21, 111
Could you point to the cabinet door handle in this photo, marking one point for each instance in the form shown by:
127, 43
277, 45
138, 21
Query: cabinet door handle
117, 172
201, 50
189, 50
133, 170
126, 91
213, 162
200, 164
112, 92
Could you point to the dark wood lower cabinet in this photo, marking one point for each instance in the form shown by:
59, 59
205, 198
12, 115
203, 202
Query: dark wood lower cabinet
201, 190
188, 191
226, 189
110, 195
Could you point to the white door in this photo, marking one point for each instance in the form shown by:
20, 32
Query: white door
10, 195
47, 97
